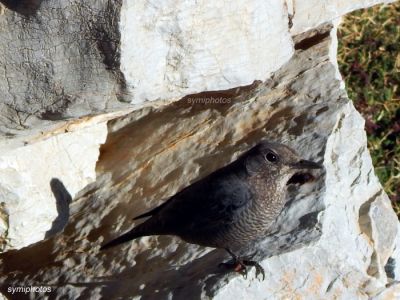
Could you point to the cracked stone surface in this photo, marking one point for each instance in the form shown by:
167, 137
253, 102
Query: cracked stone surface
59, 60
72, 157
77, 170
199, 46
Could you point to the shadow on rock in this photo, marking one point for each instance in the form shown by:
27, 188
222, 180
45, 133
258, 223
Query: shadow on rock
193, 280
23, 7
63, 200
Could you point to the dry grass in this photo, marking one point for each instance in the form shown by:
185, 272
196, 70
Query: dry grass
369, 60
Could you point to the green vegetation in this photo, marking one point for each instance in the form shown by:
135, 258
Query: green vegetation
369, 60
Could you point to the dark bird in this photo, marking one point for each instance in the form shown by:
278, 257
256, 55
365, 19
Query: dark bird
232, 207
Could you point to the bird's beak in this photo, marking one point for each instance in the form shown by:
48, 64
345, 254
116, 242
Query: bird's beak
306, 164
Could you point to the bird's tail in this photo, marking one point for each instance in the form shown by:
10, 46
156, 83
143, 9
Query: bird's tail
130, 235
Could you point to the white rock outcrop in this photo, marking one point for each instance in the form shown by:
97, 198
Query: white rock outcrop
26, 174
193, 47
111, 107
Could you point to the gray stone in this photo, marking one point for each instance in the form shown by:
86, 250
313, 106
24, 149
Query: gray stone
59, 60
328, 242
66, 117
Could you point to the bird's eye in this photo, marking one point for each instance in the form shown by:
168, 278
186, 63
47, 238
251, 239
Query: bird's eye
272, 157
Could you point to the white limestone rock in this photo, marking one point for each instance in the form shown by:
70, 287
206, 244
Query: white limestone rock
390, 293
170, 49
337, 238
81, 64
29, 204
59, 60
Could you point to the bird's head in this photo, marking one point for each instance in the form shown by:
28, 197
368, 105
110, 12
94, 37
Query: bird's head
279, 161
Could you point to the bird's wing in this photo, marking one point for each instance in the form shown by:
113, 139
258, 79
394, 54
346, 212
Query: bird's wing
208, 203
201, 207
227, 198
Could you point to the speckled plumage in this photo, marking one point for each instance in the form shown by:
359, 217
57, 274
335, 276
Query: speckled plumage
229, 208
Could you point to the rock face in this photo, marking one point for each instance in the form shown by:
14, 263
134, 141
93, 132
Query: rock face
110, 108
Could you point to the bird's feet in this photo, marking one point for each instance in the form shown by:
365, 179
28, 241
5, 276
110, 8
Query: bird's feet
257, 266
241, 266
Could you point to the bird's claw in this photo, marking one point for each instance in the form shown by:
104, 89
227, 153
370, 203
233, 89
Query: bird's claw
257, 266
240, 266
243, 272
241, 269
236, 266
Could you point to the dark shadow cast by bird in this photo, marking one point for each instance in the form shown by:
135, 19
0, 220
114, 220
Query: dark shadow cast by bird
63, 200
